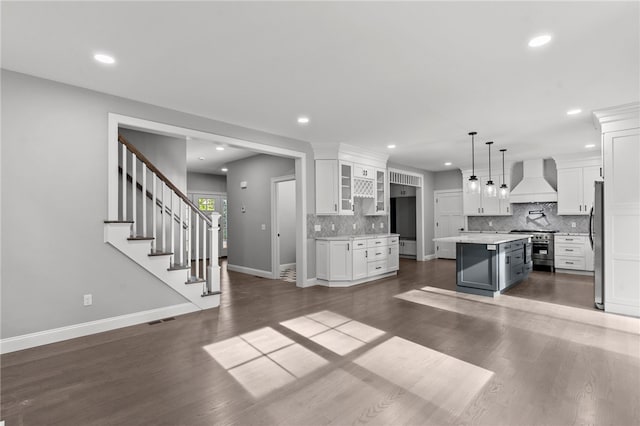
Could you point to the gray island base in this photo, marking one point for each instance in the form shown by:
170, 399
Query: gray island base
489, 264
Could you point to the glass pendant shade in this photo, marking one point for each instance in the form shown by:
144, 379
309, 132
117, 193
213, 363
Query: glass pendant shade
473, 185
503, 192
490, 189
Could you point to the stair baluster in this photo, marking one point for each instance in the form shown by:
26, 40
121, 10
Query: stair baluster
144, 200
134, 195
124, 183
154, 214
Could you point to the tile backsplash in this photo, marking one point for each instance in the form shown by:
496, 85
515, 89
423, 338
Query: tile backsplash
343, 225
523, 219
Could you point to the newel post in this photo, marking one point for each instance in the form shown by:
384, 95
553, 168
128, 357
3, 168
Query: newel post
213, 270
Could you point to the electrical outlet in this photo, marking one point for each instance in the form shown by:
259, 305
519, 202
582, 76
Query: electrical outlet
333, 227
373, 226
381, 225
573, 224
88, 300
354, 226
490, 223
317, 228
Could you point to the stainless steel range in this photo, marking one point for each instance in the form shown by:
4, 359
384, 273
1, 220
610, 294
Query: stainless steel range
541, 247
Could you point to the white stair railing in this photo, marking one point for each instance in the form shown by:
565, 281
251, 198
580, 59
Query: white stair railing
188, 237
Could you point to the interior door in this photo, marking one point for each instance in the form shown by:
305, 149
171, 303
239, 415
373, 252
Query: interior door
449, 221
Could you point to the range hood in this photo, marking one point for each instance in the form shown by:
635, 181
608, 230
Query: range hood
533, 188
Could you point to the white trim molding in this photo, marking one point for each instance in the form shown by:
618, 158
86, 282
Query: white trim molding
430, 257
250, 271
26, 341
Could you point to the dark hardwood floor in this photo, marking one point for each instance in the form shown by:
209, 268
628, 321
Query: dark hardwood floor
403, 350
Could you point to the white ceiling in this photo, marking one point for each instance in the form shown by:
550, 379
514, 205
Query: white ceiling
213, 160
417, 74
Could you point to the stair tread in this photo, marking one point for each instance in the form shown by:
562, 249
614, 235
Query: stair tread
140, 238
194, 280
210, 293
118, 221
160, 253
178, 267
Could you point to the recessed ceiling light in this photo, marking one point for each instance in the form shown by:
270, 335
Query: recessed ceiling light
447, 163
591, 145
104, 59
391, 146
540, 40
200, 158
574, 111
219, 148
224, 169
303, 120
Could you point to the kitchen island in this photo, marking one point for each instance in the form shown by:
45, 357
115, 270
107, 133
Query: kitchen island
488, 264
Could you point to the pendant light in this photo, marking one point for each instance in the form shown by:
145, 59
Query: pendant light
473, 184
490, 187
503, 193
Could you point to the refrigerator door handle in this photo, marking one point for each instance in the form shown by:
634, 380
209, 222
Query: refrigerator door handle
591, 228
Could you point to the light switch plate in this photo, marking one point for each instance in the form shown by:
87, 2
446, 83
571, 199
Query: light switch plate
263, 227
381, 225
317, 228
573, 224
333, 227
354, 226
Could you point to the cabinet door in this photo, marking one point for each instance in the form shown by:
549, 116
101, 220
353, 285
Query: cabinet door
326, 187
340, 262
359, 264
322, 260
570, 191
471, 203
345, 206
364, 172
490, 205
393, 261
381, 191
589, 176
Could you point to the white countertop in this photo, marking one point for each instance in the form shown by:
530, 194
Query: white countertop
573, 234
356, 237
483, 238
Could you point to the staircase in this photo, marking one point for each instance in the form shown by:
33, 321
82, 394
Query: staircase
160, 229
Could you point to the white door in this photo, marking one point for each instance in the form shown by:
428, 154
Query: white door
449, 221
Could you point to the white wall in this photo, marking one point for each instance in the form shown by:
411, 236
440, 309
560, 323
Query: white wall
54, 148
287, 221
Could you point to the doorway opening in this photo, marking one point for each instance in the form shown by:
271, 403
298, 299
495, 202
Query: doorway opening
403, 218
283, 228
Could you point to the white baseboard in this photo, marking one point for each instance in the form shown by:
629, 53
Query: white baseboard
573, 271
286, 266
250, 271
617, 308
430, 257
26, 341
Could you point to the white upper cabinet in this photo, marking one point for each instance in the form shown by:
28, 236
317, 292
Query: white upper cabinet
575, 186
346, 188
326, 187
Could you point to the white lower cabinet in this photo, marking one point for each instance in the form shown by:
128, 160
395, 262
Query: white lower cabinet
344, 262
573, 252
408, 248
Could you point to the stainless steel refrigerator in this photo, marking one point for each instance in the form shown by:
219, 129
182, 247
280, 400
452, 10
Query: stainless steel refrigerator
596, 237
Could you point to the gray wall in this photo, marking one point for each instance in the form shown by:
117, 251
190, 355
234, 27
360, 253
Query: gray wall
206, 183
249, 244
451, 179
168, 154
54, 150
287, 221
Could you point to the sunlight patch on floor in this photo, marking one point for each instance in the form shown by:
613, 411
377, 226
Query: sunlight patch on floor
440, 379
264, 360
333, 331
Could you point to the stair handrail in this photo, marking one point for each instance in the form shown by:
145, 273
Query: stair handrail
163, 178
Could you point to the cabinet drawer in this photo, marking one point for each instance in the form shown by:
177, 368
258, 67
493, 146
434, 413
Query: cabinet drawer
517, 272
393, 241
361, 171
359, 244
377, 267
569, 250
376, 242
565, 262
576, 239
517, 257
377, 253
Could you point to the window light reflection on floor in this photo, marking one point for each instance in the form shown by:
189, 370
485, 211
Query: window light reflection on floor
264, 360
333, 331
